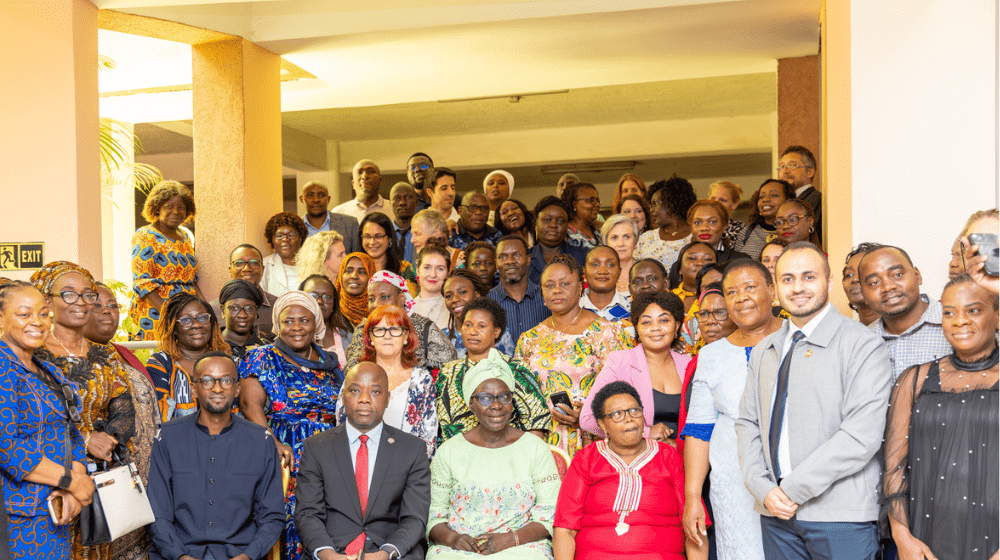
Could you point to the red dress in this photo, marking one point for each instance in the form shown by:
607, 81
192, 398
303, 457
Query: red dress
586, 505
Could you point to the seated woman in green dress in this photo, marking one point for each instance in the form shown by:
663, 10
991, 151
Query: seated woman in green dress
482, 322
494, 488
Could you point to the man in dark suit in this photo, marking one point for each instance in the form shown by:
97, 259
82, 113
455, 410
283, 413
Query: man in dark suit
363, 484
316, 197
798, 167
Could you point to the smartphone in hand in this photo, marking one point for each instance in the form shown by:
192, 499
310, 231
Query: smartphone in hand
55, 508
562, 397
987, 243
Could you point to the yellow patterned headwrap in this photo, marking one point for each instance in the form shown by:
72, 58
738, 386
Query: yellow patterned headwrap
45, 277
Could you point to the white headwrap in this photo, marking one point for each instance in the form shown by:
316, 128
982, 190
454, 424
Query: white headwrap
510, 180
295, 297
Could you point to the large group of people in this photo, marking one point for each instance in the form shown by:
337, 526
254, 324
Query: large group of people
443, 374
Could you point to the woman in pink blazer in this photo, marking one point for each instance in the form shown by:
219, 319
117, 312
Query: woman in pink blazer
655, 368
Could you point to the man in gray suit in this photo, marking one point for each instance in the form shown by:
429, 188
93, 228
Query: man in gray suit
363, 485
316, 197
812, 420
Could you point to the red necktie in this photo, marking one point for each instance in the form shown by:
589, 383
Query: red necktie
361, 478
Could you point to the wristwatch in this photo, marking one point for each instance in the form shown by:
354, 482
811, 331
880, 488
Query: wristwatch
393, 553
66, 479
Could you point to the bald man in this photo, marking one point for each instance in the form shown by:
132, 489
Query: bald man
367, 179
363, 485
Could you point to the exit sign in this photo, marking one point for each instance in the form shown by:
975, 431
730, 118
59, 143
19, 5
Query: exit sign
22, 256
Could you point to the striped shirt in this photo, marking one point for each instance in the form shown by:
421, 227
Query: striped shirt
522, 316
921, 343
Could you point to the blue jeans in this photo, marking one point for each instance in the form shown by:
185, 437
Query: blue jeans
816, 540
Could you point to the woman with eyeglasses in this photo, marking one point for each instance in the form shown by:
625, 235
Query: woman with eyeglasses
391, 342
655, 367
189, 329
716, 393
493, 488
338, 331
623, 496
669, 200
34, 427
690, 330
163, 258
107, 417
285, 233
291, 387
101, 328
377, 238
240, 302
584, 205
567, 350
796, 221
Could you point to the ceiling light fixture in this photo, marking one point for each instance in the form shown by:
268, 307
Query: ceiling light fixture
513, 97
591, 167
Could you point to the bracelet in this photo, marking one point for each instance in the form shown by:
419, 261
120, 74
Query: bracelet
86, 441
517, 541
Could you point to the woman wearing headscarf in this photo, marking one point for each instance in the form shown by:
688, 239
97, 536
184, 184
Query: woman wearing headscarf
291, 387
107, 418
493, 489
189, 330
240, 302
352, 285
498, 186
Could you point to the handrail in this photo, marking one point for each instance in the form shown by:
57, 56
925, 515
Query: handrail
140, 344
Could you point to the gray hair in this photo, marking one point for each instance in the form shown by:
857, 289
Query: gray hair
430, 218
615, 220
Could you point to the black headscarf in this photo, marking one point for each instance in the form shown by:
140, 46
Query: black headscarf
241, 289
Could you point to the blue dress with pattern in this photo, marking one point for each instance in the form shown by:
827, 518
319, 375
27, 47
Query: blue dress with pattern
300, 403
33, 421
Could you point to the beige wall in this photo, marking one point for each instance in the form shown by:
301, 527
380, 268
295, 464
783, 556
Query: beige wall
49, 162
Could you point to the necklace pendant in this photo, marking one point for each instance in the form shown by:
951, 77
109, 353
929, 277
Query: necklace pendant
621, 528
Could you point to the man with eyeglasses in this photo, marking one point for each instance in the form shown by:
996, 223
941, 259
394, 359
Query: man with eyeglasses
472, 224
798, 167
418, 168
404, 203
246, 263
316, 198
214, 478
367, 179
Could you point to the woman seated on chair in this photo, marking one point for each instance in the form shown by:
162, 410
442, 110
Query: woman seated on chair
599, 516
494, 488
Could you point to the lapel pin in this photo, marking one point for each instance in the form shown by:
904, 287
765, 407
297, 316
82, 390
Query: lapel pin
809, 353
390, 440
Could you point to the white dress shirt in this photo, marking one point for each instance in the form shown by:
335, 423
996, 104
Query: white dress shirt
359, 211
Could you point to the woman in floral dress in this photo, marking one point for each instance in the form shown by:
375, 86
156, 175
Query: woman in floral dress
567, 350
291, 386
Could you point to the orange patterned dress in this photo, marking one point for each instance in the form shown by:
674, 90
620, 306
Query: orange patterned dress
162, 265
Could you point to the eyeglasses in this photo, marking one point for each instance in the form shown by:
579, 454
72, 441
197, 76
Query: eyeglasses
253, 263
419, 167
792, 221
70, 296
592, 200
619, 415
792, 166
110, 307
291, 236
324, 298
720, 314
71, 402
203, 319
487, 399
374, 237
394, 332
476, 207
234, 310
208, 382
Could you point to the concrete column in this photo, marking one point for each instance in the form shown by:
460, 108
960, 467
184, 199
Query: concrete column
799, 103
49, 162
237, 151
118, 208
909, 125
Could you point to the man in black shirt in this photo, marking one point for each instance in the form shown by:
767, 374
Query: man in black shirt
214, 478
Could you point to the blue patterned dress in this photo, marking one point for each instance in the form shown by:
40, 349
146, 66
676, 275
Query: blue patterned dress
300, 403
162, 265
33, 421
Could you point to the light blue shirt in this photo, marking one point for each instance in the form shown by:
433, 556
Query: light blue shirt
784, 451
314, 230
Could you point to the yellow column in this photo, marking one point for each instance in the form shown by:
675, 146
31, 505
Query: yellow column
237, 151
50, 180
